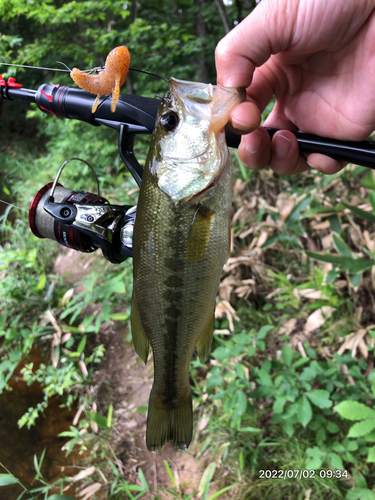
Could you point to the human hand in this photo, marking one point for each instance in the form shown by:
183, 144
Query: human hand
318, 58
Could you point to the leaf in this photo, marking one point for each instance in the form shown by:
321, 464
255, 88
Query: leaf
334, 222
352, 410
279, 404
118, 287
345, 263
288, 427
320, 398
141, 409
361, 494
59, 497
327, 257
264, 378
42, 282
287, 354
223, 490
362, 428
371, 455
82, 345
358, 265
305, 414
263, 331
170, 473
332, 428
241, 338
296, 212
336, 461
315, 458
7, 479
109, 416
372, 199
358, 211
221, 354
249, 429
120, 316
98, 419
143, 479
205, 481
106, 313
240, 405
341, 246
321, 210
355, 279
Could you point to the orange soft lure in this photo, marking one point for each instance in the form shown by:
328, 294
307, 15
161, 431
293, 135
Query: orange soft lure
107, 81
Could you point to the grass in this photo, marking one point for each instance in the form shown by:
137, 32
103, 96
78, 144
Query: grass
295, 329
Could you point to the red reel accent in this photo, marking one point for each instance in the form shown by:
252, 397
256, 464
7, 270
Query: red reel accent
33, 206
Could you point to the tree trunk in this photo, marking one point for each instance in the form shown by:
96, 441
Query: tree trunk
223, 14
239, 10
201, 33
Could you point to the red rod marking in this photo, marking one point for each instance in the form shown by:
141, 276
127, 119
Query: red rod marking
49, 97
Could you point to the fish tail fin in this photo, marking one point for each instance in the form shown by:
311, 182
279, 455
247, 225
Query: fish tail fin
167, 422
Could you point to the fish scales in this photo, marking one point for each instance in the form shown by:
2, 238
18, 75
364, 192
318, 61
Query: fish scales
180, 245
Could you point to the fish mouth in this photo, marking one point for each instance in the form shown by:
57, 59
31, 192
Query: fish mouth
196, 196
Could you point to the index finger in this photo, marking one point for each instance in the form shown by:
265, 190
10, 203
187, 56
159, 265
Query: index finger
266, 31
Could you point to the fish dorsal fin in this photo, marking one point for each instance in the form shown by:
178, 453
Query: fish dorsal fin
199, 234
140, 341
205, 340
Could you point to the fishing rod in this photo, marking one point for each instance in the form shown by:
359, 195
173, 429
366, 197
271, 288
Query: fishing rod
357, 152
86, 221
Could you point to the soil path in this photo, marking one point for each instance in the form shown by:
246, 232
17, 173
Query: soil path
123, 380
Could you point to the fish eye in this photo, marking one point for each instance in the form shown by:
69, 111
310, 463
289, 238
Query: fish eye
169, 121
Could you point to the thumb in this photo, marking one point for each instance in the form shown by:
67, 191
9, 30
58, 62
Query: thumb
266, 31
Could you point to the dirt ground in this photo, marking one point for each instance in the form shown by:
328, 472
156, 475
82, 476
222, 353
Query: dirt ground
123, 380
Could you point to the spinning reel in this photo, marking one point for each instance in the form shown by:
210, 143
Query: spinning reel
83, 221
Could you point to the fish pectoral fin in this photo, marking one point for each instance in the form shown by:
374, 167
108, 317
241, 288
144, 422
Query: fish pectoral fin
140, 341
199, 234
205, 340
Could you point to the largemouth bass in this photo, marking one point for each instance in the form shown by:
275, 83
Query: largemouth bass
180, 244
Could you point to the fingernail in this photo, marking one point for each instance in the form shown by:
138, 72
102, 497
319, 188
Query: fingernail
281, 145
239, 125
256, 140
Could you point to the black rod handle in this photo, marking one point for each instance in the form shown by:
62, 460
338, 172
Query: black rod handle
357, 152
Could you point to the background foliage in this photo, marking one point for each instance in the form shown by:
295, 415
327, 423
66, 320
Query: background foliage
290, 384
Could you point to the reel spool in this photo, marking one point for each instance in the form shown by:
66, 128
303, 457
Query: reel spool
82, 220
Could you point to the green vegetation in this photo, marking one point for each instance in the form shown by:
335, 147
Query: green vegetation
284, 407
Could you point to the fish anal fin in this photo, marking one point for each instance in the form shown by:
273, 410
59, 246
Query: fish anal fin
205, 340
140, 341
167, 421
199, 234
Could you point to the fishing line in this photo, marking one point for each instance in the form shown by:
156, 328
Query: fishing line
34, 67
86, 70
12, 205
